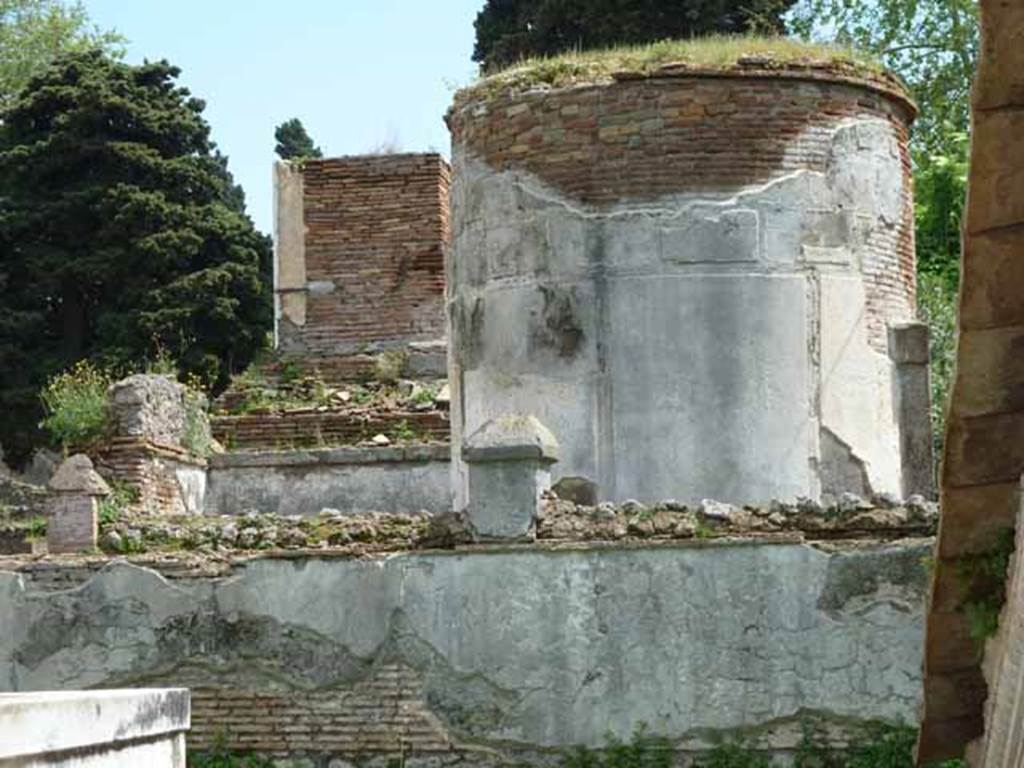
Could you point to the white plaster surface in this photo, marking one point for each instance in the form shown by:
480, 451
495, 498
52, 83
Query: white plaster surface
82, 729
289, 247
677, 347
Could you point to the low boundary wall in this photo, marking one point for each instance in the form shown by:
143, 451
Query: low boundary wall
395, 479
482, 654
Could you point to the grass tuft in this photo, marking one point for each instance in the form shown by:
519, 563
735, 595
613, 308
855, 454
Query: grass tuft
713, 52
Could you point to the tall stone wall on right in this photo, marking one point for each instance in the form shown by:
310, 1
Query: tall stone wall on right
702, 282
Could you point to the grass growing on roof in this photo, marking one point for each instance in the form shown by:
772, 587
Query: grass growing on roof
714, 52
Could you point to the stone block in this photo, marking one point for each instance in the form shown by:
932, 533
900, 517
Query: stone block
984, 450
993, 270
151, 407
509, 460
73, 506
1001, 55
990, 368
997, 186
973, 516
908, 343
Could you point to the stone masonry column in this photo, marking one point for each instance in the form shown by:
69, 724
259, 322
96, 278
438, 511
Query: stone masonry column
74, 506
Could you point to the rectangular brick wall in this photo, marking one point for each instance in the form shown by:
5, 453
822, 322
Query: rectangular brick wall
153, 471
376, 232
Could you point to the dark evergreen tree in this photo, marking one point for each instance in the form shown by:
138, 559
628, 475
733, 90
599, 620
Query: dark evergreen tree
509, 30
293, 142
121, 233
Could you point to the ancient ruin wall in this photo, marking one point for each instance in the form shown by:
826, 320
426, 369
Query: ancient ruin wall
690, 278
487, 653
359, 258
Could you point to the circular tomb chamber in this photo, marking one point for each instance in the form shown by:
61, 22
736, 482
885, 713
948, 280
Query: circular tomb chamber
690, 277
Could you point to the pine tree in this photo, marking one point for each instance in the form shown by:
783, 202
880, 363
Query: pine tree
293, 142
510, 30
121, 234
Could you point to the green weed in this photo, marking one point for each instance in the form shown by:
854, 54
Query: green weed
75, 403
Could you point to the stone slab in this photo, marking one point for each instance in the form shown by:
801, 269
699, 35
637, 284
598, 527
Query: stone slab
38, 727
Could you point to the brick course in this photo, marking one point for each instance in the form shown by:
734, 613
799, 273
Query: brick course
313, 428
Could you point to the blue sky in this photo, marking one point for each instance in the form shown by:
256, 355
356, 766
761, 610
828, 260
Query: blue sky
359, 73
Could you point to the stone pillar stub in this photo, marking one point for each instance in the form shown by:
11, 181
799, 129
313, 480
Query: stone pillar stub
909, 350
74, 506
509, 460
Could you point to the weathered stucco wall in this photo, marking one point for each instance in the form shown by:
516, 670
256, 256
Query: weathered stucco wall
400, 479
486, 652
688, 279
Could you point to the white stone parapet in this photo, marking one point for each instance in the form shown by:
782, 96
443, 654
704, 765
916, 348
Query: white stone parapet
87, 729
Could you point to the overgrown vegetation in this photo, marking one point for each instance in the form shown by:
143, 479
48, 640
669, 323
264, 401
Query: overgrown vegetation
643, 751
117, 505
197, 438
718, 52
982, 579
219, 756
508, 31
880, 746
75, 406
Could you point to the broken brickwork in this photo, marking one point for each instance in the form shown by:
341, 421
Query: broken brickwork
360, 253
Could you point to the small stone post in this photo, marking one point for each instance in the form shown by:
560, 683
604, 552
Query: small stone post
908, 349
509, 460
74, 506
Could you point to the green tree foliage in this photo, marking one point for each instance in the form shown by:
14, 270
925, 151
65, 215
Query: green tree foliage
931, 44
34, 32
293, 142
940, 193
510, 30
121, 235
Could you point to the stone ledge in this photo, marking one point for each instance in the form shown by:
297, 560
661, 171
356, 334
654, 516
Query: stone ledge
37, 724
332, 456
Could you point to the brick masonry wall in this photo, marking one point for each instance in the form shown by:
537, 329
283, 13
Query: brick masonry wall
375, 242
153, 471
385, 713
305, 429
714, 135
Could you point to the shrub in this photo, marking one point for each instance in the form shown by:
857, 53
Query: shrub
936, 303
644, 751
389, 365
219, 756
113, 507
197, 438
75, 403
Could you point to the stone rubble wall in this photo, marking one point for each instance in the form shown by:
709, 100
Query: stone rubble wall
360, 253
487, 653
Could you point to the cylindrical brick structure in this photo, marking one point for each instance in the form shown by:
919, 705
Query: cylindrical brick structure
689, 276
